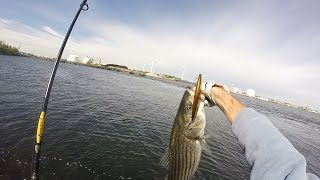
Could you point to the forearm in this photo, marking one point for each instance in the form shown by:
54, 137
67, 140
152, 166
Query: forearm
269, 154
228, 104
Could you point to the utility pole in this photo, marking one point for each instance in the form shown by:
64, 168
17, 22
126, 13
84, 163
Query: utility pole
182, 73
144, 65
152, 63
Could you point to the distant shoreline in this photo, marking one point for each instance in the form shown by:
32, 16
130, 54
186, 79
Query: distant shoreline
183, 83
144, 74
156, 76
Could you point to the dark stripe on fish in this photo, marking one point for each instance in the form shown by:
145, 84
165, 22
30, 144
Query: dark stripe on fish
183, 163
187, 163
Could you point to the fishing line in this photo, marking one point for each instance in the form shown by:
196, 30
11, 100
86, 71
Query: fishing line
38, 137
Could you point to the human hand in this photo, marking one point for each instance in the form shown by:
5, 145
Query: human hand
206, 89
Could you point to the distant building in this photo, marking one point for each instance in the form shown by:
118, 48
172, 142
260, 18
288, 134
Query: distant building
87, 60
237, 90
232, 88
73, 58
251, 92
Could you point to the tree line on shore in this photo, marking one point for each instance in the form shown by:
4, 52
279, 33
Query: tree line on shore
6, 49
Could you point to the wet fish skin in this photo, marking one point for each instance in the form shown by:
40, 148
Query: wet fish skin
184, 152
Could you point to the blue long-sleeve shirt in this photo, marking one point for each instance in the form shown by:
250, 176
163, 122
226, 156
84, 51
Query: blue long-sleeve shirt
270, 155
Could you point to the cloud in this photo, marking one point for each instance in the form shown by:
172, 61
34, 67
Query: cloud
5, 22
52, 32
43, 41
255, 45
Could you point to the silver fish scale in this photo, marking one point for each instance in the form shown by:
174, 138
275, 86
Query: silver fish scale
184, 159
184, 152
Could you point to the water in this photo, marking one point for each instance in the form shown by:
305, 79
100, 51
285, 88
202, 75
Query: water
109, 125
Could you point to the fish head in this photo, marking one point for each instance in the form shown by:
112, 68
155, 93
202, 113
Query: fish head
192, 127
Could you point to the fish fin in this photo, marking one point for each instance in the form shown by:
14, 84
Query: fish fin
164, 161
204, 145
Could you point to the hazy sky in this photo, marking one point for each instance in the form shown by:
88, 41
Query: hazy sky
271, 46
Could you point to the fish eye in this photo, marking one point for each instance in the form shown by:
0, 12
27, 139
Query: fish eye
189, 107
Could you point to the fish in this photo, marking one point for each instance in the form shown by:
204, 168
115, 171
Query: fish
187, 140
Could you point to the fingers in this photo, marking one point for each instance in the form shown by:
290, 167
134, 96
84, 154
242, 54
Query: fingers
206, 90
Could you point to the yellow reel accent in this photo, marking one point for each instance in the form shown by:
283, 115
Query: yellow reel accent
40, 126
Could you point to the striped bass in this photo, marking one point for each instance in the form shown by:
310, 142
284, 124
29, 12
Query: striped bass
182, 157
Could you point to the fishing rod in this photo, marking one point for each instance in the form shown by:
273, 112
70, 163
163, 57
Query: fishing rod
38, 137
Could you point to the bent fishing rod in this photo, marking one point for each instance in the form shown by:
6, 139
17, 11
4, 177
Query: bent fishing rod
38, 137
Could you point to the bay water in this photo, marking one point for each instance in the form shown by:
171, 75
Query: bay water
111, 125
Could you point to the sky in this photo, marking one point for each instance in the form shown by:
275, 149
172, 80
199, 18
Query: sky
270, 46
